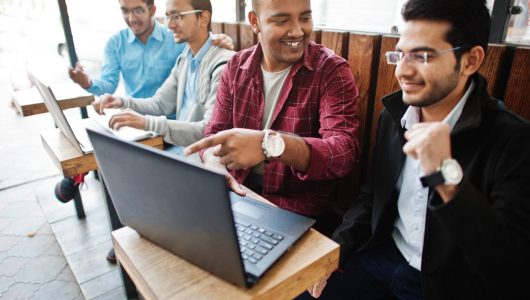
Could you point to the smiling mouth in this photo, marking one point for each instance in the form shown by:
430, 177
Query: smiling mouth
293, 44
411, 86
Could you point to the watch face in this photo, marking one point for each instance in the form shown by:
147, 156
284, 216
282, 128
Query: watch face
275, 146
452, 172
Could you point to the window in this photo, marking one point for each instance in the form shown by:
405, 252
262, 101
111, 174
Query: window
519, 28
224, 11
354, 15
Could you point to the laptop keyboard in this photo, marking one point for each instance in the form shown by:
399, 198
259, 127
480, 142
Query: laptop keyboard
255, 242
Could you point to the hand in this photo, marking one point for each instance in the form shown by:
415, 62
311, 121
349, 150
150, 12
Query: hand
430, 143
79, 76
128, 118
316, 290
222, 40
212, 162
239, 148
107, 101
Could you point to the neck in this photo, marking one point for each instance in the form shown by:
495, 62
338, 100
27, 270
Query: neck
271, 65
145, 36
438, 111
198, 41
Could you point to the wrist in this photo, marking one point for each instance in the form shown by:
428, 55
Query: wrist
449, 173
272, 144
88, 84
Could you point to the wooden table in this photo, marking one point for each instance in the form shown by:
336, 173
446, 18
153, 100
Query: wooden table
70, 95
159, 274
72, 162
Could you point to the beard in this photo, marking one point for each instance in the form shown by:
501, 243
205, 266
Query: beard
439, 90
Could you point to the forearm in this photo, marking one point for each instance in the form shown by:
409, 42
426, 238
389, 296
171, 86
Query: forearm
297, 153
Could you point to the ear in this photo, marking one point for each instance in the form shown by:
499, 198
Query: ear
472, 60
253, 20
205, 17
152, 10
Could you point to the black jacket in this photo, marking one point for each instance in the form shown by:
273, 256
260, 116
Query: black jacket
477, 246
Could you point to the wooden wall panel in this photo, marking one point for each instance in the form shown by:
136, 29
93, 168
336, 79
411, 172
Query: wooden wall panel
247, 36
495, 68
363, 58
336, 41
232, 30
386, 83
217, 27
316, 36
517, 96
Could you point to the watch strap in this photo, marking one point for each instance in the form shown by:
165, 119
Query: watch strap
433, 179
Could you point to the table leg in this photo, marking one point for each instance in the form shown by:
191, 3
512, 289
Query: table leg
78, 203
128, 284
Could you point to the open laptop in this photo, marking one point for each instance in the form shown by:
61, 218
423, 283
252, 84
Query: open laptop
75, 132
189, 211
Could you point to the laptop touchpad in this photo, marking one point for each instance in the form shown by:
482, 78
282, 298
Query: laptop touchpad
248, 209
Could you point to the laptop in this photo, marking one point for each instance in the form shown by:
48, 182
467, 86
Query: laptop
75, 132
188, 210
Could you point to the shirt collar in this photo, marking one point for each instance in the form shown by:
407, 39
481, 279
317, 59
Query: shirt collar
156, 34
412, 115
202, 52
257, 56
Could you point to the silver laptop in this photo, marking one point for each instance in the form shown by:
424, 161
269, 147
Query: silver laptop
189, 211
75, 132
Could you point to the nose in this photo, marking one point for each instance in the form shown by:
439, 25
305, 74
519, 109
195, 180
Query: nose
403, 69
296, 30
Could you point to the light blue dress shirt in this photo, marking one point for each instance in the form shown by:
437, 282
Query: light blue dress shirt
190, 92
144, 67
409, 227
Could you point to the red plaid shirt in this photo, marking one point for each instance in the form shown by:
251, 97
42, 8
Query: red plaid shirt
318, 102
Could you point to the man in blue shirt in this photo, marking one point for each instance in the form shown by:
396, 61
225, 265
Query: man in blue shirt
144, 53
190, 90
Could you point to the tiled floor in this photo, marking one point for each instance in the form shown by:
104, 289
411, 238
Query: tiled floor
45, 251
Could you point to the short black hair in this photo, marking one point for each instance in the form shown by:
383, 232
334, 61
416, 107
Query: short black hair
203, 5
469, 19
148, 2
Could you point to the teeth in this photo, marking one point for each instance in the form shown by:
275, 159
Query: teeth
293, 44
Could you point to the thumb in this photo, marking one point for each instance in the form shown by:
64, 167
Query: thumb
235, 186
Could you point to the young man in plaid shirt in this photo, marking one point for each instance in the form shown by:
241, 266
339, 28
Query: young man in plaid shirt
285, 121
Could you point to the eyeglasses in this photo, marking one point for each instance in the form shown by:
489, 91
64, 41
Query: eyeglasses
416, 57
137, 11
178, 16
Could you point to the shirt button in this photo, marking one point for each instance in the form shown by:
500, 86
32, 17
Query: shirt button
415, 227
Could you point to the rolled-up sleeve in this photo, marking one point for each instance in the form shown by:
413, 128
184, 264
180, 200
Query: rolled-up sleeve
335, 153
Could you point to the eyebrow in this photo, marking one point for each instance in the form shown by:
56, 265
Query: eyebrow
279, 15
424, 48
132, 8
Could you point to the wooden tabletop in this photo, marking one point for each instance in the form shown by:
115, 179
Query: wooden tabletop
70, 95
72, 162
159, 274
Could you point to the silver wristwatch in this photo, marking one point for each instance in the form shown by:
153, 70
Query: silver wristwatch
272, 144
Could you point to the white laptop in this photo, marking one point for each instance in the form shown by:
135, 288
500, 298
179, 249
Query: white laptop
75, 132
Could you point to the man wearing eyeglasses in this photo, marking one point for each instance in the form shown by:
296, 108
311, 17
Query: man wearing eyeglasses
190, 89
143, 54
446, 212
285, 122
